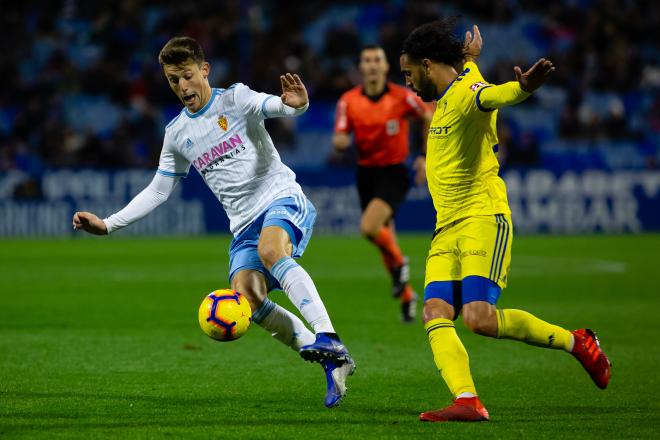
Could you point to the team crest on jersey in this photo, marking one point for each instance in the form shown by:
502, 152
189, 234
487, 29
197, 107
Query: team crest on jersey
474, 87
222, 122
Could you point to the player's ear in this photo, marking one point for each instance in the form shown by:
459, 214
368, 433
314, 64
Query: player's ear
426, 65
206, 69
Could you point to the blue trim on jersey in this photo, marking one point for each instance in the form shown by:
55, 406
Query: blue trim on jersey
483, 109
476, 288
458, 78
496, 148
173, 120
215, 92
445, 90
263, 106
462, 74
170, 173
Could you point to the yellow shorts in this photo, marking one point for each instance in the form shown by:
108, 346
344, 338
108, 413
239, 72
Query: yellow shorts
478, 245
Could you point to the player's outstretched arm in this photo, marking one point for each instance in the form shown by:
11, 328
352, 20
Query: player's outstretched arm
472, 45
493, 97
294, 93
156, 193
89, 223
536, 76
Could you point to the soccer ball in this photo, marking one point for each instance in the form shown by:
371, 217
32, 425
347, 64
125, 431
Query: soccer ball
225, 315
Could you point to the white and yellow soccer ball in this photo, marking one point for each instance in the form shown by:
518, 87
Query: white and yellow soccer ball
225, 315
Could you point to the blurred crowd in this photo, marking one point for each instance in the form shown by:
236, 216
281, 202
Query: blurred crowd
83, 88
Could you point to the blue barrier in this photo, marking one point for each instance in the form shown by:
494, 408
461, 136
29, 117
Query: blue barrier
541, 201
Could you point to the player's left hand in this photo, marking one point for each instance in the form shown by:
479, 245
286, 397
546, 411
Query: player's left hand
536, 76
420, 170
294, 93
472, 45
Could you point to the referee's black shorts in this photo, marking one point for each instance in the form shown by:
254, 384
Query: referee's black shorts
390, 183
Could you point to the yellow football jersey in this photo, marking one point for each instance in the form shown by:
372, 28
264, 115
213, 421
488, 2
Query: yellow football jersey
461, 163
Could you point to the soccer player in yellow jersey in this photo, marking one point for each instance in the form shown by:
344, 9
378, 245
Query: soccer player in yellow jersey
468, 263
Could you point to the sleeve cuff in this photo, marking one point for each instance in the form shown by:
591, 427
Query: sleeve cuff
303, 109
108, 225
296, 111
478, 102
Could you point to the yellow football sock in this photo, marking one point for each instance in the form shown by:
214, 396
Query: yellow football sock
450, 356
523, 326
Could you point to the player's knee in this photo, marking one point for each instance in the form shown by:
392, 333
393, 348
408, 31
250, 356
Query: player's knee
474, 324
269, 254
369, 229
435, 308
481, 322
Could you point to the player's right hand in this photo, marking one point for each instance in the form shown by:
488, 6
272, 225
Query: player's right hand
89, 222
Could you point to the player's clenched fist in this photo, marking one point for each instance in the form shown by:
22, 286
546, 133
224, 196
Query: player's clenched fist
89, 222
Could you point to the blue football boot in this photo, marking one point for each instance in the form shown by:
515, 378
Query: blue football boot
336, 376
326, 347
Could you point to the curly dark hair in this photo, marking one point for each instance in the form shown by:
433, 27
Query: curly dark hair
179, 50
435, 41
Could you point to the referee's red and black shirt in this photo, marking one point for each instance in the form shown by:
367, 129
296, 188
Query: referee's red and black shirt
379, 124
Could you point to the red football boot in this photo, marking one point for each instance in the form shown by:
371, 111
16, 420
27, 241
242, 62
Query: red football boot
586, 349
465, 409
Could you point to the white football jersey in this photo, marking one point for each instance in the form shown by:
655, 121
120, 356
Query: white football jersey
227, 143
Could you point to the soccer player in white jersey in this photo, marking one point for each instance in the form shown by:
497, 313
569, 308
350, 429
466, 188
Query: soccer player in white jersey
220, 132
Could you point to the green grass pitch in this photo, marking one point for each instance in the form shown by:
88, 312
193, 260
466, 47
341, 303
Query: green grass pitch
99, 339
